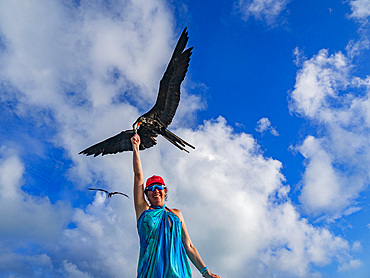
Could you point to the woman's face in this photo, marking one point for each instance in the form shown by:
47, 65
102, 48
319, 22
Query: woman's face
156, 196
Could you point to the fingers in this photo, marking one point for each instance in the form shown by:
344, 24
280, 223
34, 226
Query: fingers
209, 274
135, 140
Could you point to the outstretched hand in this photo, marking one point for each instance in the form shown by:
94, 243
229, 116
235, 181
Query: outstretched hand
135, 140
211, 275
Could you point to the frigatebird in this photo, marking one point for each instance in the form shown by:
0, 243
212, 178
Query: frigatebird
156, 120
110, 194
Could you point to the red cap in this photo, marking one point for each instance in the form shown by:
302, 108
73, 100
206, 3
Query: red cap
154, 180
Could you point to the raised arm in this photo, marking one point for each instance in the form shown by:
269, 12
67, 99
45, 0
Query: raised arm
190, 249
139, 200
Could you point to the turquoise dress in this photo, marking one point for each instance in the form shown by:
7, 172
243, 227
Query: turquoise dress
162, 254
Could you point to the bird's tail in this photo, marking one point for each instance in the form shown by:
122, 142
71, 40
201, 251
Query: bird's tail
177, 141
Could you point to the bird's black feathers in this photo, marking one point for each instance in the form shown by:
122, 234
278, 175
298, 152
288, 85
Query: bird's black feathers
157, 119
111, 145
169, 89
110, 194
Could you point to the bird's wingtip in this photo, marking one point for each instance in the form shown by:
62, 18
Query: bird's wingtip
84, 152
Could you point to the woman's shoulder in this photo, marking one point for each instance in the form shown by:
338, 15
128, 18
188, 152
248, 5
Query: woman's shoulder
174, 210
177, 212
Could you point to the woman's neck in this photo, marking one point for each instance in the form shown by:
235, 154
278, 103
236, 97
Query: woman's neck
157, 207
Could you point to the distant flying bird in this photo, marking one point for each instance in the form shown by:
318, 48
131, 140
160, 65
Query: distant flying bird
110, 194
156, 120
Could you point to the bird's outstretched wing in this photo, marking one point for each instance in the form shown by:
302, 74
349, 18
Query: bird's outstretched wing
120, 193
169, 89
118, 143
121, 142
99, 190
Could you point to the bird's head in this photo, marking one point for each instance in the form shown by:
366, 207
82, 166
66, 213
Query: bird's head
136, 125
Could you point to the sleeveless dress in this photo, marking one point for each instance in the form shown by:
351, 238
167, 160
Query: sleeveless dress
162, 254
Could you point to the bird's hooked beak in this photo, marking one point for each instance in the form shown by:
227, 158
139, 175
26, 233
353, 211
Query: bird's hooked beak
136, 126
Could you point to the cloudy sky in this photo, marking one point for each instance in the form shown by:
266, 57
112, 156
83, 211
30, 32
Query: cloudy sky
276, 102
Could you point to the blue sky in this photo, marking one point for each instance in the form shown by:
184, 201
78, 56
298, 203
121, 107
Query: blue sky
276, 102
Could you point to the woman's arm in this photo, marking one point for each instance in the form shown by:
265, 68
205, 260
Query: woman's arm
190, 249
139, 200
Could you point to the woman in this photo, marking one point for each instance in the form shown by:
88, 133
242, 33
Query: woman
164, 240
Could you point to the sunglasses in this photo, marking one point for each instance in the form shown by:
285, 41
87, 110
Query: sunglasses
154, 187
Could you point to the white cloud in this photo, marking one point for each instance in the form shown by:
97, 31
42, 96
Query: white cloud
24, 265
322, 189
337, 102
357, 246
23, 215
360, 9
264, 10
73, 271
264, 124
360, 13
317, 83
228, 170
105, 237
299, 57
352, 210
353, 264
26, 221
354, 48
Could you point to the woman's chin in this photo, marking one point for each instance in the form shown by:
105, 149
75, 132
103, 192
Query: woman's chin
156, 201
